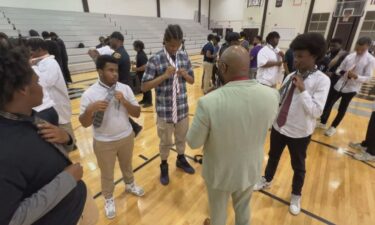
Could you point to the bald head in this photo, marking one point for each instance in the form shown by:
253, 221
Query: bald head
235, 63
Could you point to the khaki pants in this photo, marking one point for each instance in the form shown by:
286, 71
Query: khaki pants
106, 154
68, 128
90, 214
165, 132
218, 201
208, 67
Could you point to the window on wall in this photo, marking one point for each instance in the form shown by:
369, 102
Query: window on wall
368, 26
252, 3
319, 23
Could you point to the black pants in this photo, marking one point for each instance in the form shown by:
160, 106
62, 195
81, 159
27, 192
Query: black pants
66, 72
333, 96
147, 96
50, 115
213, 77
369, 142
136, 127
297, 150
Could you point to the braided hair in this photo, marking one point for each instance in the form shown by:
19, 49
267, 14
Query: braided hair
173, 32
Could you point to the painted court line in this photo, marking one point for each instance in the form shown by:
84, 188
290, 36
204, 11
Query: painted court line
348, 153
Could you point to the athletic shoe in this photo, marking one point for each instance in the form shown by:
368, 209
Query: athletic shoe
295, 204
330, 132
357, 146
262, 184
134, 189
183, 164
110, 208
364, 156
321, 126
164, 177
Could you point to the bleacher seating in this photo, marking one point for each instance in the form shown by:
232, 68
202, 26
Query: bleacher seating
79, 27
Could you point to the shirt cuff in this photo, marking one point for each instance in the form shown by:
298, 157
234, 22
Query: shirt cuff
69, 181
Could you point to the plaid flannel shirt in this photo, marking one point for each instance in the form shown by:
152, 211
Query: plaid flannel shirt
156, 66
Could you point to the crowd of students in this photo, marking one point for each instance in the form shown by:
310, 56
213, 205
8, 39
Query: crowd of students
240, 104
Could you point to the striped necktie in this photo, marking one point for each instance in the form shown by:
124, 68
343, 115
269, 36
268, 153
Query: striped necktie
283, 114
175, 86
98, 116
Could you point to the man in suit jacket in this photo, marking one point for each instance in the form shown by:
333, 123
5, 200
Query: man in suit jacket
231, 123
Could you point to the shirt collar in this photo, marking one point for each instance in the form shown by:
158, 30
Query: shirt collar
271, 47
22, 118
103, 85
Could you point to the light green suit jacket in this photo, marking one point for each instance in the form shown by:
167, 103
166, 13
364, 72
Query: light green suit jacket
232, 122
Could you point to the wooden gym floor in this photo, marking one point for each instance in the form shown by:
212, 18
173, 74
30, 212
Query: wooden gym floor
338, 189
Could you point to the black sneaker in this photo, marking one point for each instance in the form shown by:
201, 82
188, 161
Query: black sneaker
146, 105
164, 177
182, 163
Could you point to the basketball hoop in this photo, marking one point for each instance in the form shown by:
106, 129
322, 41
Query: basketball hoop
347, 13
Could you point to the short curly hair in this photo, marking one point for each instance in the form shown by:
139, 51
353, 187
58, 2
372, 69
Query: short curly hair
312, 42
139, 44
15, 71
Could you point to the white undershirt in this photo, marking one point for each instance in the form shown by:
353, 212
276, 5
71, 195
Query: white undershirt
272, 75
52, 80
115, 125
363, 66
47, 101
106, 50
306, 107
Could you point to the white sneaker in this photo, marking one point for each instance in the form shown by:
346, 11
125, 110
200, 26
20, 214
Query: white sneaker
134, 189
321, 126
357, 146
330, 132
110, 208
295, 204
364, 156
262, 184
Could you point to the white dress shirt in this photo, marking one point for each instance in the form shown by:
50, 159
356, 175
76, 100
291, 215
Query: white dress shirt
306, 107
47, 101
115, 125
53, 81
363, 66
272, 75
